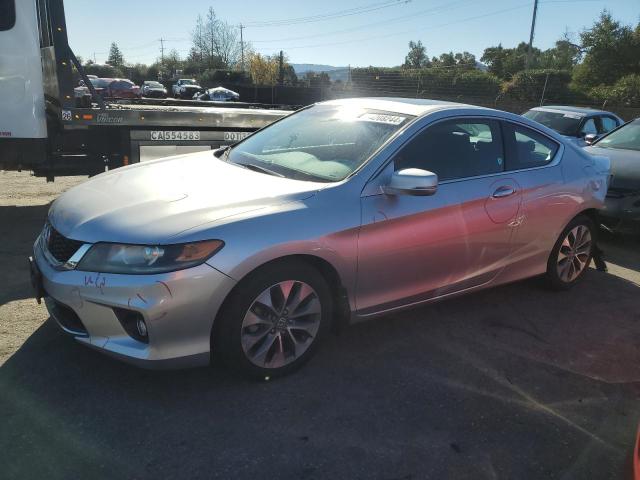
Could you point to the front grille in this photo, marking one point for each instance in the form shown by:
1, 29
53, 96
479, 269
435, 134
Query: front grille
61, 247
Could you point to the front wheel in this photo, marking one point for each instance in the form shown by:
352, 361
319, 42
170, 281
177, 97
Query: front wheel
571, 254
274, 320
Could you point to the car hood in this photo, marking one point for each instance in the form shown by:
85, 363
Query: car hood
154, 202
625, 166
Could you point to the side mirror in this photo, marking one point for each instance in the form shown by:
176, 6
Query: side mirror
590, 138
412, 181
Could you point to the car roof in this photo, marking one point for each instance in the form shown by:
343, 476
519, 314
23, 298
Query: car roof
407, 106
582, 111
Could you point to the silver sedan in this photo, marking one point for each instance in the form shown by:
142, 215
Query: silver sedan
343, 211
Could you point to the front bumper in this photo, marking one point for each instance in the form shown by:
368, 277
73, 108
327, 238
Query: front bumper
178, 308
155, 94
622, 206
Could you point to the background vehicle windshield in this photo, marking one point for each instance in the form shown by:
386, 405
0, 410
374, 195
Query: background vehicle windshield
154, 84
323, 143
626, 137
563, 123
188, 82
101, 82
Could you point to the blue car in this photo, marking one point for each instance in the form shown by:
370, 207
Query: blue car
580, 125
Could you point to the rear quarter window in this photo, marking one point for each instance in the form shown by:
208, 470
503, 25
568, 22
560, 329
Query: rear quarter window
527, 148
7, 14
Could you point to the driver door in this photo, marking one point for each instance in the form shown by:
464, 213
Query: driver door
414, 248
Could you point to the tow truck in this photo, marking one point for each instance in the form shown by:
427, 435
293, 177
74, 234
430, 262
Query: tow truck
43, 127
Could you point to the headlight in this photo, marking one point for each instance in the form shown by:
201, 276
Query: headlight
147, 259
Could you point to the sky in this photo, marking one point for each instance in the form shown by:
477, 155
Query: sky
340, 33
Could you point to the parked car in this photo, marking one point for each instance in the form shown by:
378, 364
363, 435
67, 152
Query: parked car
82, 93
185, 88
622, 146
581, 125
122, 88
218, 94
346, 209
153, 89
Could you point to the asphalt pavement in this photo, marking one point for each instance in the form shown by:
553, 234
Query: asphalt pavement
516, 382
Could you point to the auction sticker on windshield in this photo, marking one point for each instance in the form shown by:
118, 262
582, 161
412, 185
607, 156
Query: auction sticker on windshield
382, 118
163, 135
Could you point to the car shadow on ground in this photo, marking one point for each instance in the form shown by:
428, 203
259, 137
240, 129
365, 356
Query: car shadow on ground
513, 382
19, 227
622, 249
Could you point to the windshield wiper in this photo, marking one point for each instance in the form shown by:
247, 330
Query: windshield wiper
222, 152
258, 168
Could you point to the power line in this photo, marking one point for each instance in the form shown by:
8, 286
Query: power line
437, 9
328, 16
497, 12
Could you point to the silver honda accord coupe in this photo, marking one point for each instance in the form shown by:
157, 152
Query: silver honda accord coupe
342, 211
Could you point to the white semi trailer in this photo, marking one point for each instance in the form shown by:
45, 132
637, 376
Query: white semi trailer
45, 129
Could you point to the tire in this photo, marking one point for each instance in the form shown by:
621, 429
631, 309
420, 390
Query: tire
257, 335
571, 255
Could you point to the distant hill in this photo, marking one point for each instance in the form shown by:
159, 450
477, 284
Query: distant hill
335, 73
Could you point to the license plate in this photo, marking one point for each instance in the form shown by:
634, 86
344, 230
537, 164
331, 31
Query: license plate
36, 280
235, 136
164, 135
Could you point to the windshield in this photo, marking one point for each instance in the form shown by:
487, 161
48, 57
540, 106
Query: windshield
565, 123
323, 143
154, 84
626, 137
188, 82
101, 82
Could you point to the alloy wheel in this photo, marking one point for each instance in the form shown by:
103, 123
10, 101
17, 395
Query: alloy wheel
281, 324
574, 253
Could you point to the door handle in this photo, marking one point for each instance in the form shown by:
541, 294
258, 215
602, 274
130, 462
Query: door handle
504, 191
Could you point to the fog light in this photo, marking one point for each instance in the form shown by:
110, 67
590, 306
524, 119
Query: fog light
142, 327
133, 323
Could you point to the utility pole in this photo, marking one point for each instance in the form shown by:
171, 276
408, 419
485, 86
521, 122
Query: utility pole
281, 69
162, 51
241, 47
533, 31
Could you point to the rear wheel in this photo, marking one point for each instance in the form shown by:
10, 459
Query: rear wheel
273, 321
571, 254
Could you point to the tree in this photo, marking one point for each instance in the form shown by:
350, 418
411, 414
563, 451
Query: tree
465, 59
317, 79
506, 62
444, 60
115, 59
564, 56
265, 69
172, 62
417, 56
612, 50
215, 42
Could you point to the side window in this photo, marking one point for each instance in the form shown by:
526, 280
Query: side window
455, 149
7, 14
527, 148
608, 124
588, 127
